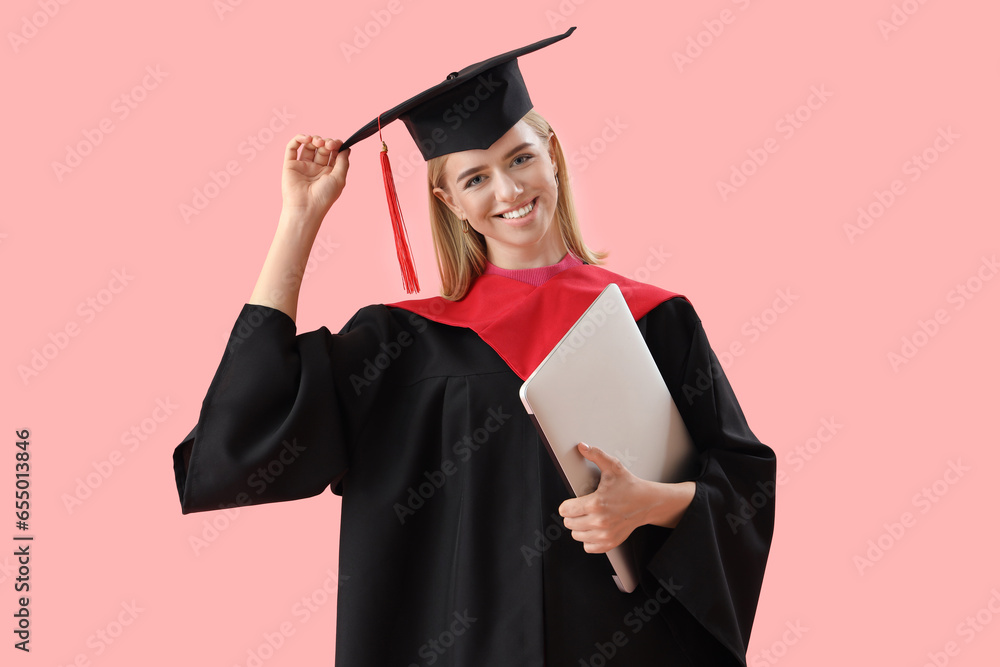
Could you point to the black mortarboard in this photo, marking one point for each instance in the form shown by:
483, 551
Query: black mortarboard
470, 109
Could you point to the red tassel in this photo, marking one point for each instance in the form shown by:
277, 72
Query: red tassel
406, 267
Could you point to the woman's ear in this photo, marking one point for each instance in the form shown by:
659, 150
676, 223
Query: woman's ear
449, 201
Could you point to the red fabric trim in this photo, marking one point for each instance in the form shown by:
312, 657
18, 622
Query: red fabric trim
521, 322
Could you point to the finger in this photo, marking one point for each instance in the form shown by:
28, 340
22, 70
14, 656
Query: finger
309, 149
323, 151
583, 528
595, 541
594, 548
571, 508
292, 147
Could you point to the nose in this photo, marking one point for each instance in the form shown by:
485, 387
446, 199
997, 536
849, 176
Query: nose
507, 188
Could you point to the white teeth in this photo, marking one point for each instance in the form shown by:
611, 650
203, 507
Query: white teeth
519, 213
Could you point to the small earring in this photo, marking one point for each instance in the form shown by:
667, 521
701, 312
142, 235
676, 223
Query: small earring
557, 180
465, 226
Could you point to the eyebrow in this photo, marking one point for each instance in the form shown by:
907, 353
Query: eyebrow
469, 172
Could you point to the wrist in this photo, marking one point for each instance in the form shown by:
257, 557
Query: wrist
668, 503
300, 219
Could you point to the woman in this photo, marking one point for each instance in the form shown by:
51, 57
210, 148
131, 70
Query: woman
459, 542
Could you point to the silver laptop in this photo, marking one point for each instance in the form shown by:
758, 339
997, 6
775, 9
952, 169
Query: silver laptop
600, 385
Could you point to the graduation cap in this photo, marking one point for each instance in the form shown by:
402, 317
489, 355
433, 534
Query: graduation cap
470, 109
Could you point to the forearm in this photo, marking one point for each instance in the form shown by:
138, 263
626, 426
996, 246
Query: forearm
281, 276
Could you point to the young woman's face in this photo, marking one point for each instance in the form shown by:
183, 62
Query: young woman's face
515, 176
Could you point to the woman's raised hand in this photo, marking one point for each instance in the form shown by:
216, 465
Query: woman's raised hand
310, 183
309, 186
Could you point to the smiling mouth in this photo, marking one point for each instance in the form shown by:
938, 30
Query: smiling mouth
520, 212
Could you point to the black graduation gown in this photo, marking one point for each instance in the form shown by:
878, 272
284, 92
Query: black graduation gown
452, 551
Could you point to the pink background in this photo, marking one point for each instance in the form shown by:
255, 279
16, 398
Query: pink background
670, 135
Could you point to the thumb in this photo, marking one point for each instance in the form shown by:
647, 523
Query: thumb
598, 456
341, 162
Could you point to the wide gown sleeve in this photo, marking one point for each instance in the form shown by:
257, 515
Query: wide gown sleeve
715, 556
281, 412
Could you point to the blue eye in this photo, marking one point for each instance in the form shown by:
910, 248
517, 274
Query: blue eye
471, 182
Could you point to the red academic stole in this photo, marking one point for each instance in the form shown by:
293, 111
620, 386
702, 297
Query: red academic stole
523, 322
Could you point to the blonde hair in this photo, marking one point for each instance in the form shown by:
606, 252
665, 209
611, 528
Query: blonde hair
461, 257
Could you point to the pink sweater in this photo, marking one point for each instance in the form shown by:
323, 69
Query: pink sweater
535, 276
